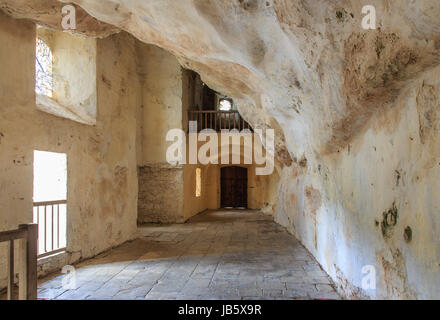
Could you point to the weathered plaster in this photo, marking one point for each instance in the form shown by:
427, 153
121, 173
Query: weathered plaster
356, 126
102, 175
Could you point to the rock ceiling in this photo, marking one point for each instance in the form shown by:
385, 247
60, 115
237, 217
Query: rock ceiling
306, 68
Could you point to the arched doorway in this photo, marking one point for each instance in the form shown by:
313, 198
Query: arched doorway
234, 181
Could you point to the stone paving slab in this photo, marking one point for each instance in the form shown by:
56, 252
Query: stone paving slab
225, 254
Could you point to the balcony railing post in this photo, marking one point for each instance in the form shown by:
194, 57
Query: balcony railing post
51, 238
45, 228
11, 271
222, 120
28, 265
58, 225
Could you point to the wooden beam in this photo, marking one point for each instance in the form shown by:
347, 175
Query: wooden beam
28, 253
12, 235
11, 271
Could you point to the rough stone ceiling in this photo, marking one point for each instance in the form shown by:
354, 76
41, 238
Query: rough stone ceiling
305, 68
48, 13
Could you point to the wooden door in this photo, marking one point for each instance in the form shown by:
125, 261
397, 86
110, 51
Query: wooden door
234, 187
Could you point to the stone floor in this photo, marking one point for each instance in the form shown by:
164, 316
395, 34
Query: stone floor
217, 255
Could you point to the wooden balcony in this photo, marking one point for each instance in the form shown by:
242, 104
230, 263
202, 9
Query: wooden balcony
218, 120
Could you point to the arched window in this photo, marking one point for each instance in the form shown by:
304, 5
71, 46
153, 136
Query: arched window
43, 69
59, 91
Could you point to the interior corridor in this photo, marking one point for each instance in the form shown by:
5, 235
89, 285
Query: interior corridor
227, 254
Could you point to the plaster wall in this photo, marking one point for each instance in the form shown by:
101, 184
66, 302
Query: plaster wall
262, 190
193, 204
336, 204
167, 192
102, 175
163, 92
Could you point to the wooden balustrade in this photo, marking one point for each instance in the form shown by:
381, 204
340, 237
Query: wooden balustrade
52, 228
27, 236
218, 120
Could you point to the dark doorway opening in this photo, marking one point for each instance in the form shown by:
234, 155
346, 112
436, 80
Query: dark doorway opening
234, 187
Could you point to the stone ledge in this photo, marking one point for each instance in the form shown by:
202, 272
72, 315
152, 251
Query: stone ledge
48, 105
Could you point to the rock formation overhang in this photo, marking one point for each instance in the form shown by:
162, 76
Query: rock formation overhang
305, 68
48, 13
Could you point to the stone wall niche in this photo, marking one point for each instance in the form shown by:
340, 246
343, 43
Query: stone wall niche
74, 77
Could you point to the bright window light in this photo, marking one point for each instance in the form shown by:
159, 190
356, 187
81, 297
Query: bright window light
198, 182
50, 176
50, 201
43, 69
225, 105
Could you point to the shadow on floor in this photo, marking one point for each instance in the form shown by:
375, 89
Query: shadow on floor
224, 254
